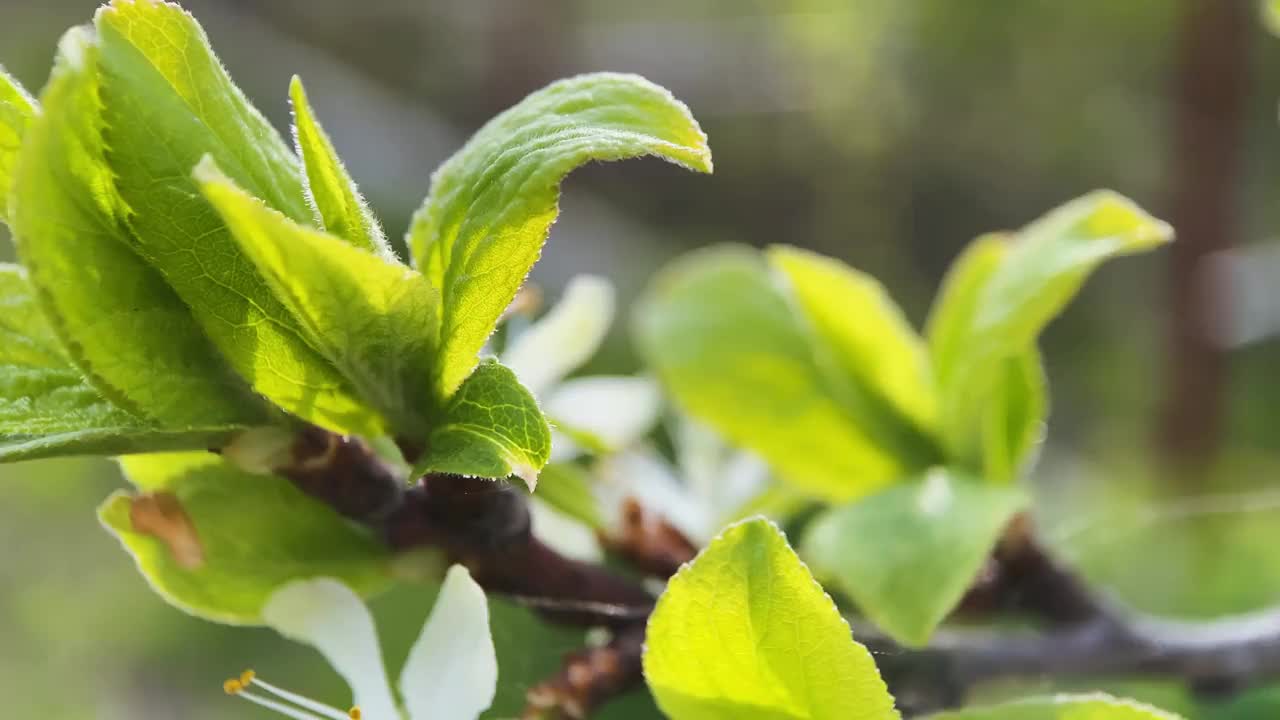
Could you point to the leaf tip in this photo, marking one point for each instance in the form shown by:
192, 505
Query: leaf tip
527, 473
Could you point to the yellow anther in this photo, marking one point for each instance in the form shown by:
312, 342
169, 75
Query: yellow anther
232, 686
247, 677
355, 713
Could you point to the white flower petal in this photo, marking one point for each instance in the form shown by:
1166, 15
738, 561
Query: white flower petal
700, 454
563, 447
562, 533
328, 616
567, 336
452, 671
644, 475
742, 477
619, 410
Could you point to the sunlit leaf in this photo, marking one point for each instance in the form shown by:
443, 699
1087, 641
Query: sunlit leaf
907, 554
47, 408
1013, 422
368, 317
17, 109
492, 427
1062, 707
492, 204
1004, 292
338, 204
732, 353
217, 542
167, 102
879, 360
130, 335
745, 632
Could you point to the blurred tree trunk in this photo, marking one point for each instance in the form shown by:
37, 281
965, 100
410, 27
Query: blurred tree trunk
1210, 93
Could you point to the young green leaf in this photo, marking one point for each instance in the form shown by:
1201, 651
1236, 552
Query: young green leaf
1013, 421
906, 555
492, 204
875, 357
1000, 297
492, 427
167, 102
217, 542
47, 408
731, 351
129, 334
774, 648
1095, 706
369, 318
339, 207
17, 109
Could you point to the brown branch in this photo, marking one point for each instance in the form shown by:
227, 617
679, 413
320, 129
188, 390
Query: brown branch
648, 542
482, 524
590, 678
485, 525
941, 675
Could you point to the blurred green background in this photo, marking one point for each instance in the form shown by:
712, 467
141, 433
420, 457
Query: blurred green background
885, 132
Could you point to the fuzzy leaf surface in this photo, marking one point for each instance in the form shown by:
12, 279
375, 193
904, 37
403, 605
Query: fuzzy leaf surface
745, 633
492, 204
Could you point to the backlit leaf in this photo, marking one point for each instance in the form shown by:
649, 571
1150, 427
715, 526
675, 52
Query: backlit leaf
17, 109
47, 408
129, 334
338, 204
217, 542
907, 554
1003, 293
745, 633
368, 317
491, 205
733, 354
874, 357
167, 102
492, 427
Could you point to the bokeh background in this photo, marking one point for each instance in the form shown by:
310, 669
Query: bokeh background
885, 132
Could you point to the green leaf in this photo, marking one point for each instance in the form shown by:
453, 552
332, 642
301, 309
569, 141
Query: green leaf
47, 408
17, 109
339, 207
1000, 297
492, 427
1271, 15
216, 541
774, 648
874, 356
908, 554
734, 355
566, 487
1013, 422
492, 204
1062, 707
129, 334
369, 318
167, 103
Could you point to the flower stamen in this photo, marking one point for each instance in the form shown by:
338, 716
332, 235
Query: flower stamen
286, 703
